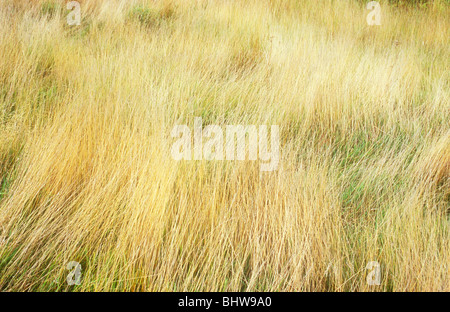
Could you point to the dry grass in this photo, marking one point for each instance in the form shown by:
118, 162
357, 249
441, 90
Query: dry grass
365, 142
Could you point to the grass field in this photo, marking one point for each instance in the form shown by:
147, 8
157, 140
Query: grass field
85, 173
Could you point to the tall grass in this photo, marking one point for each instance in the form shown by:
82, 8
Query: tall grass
85, 175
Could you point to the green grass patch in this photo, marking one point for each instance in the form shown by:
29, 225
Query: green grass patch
50, 8
151, 17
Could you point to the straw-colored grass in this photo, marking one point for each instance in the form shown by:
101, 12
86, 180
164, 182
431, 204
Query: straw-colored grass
85, 173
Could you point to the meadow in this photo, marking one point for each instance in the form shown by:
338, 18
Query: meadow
86, 174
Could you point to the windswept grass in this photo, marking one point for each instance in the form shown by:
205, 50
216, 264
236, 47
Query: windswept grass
86, 176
